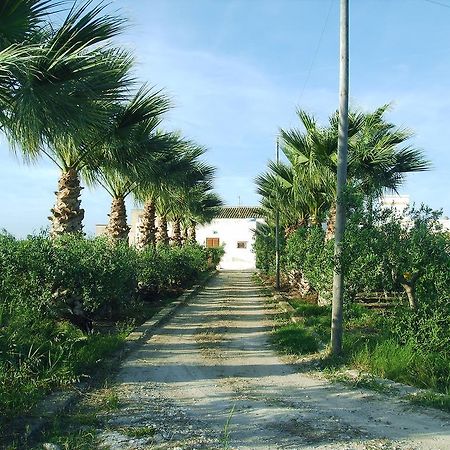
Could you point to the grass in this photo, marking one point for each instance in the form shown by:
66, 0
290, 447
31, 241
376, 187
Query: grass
369, 348
431, 399
59, 355
295, 339
110, 401
226, 429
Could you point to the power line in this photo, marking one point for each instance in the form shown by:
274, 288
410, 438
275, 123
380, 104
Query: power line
316, 51
436, 2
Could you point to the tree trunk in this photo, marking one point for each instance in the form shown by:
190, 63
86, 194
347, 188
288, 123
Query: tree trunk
370, 210
163, 235
117, 228
67, 216
331, 223
291, 229
147, 228
409, 286
192, 232
185, 234
176, 237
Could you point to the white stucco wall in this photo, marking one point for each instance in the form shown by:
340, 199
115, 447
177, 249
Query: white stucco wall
230, 232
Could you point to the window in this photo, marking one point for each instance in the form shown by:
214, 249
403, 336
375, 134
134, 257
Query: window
242, 244
212, 242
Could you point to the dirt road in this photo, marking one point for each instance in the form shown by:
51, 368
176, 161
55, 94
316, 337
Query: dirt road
210, 379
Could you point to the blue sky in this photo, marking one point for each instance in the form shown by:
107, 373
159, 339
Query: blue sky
237, 70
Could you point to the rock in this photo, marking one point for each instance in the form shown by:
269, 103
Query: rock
50, 446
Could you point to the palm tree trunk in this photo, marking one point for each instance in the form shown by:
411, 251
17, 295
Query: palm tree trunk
370, 210
147, 227
192, 233
67, 216
117, 228
163, 234
331, 223
185, 234
176, 237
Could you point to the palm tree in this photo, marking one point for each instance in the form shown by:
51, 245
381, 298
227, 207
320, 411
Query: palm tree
380, 158
204, 206
150, 162
165, 193
71, 71
58, 103
118, 146
196, 203
377, 160
298, 203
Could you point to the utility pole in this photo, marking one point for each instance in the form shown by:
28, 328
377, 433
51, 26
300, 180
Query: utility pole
277, 231
338, 278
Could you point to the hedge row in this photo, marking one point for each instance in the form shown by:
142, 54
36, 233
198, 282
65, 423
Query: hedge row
382, 250
42, 281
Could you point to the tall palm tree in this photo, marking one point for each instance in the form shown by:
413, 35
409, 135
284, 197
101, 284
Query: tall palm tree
380, 156
296, 202
118, 146
58, 102
71, 71
204, 206
194, 202
166, 192
151, 161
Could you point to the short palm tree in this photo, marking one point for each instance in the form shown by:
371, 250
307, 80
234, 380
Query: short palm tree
151, 161
378, 160
182, 170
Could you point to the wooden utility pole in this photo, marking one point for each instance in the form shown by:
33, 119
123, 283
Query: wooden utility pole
277, 232
338, 278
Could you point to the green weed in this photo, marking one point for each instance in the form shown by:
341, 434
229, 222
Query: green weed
295, 339
138, 432
431, 399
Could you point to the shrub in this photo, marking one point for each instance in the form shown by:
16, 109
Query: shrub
168, 268
264, 248
39, 278
307, 252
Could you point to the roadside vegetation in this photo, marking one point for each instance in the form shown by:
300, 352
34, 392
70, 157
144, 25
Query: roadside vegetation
396, 264
68, 94
44, 343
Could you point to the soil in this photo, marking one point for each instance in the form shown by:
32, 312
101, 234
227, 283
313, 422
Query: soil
210, 379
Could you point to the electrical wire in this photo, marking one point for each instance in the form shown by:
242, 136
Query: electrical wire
435, 2
316, 51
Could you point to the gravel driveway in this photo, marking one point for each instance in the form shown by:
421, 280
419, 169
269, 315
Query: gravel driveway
209, 379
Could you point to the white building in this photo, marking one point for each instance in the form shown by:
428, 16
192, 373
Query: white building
234, 228
396, 202
399, 203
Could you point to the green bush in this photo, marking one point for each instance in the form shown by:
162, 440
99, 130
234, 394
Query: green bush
264, 248
39, 278
307, 252
213, 256
33, 271
383, 252
169, 268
